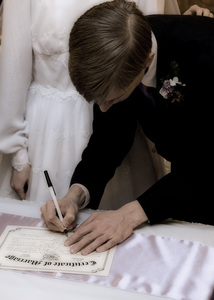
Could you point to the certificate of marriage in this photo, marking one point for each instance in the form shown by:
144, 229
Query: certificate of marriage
38, 249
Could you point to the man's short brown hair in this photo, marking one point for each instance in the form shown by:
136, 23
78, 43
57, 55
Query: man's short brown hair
109, 45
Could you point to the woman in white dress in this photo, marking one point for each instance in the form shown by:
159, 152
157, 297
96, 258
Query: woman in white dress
44, 123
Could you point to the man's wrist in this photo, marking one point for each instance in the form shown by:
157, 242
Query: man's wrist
84, 195
134, 213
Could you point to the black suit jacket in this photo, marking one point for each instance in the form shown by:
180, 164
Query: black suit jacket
182, 133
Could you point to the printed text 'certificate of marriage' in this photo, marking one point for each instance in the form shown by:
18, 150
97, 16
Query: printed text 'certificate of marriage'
38, 249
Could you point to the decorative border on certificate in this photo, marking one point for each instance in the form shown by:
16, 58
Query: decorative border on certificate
38, 249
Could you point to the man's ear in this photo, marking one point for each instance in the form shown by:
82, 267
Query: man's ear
150, 59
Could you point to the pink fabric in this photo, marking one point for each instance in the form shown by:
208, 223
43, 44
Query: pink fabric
148, 264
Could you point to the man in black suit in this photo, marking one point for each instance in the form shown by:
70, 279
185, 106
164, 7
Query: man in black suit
176, 116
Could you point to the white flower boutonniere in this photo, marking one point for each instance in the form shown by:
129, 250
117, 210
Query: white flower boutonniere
172, 89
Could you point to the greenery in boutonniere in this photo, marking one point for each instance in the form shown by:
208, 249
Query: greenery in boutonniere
172, 88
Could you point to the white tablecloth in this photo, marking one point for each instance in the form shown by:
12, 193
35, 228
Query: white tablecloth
15, 285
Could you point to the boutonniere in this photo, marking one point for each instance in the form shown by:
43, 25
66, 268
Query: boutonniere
172, 88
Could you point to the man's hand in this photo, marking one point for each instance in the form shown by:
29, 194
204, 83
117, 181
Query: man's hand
19, 181
69, 206
103, 230
199, 11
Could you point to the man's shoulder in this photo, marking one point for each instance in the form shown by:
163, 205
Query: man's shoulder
181, 27
187, 40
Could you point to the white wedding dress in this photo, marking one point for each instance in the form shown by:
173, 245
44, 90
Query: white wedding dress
43, 119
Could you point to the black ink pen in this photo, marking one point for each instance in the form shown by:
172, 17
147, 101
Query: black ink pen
53, 195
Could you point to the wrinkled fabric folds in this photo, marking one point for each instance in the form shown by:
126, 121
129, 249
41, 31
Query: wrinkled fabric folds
148, 264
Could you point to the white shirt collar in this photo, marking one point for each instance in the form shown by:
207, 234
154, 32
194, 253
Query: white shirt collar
149, 78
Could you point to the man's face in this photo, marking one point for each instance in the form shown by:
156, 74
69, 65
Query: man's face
117, 95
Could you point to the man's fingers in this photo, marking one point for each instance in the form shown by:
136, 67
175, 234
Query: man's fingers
87, 244
48, 215
88, 241
108, 245
50, 225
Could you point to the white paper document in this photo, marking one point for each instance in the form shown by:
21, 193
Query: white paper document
38, 249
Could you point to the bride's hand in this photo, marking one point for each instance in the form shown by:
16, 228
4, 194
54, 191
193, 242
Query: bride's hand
19, 181
199, 11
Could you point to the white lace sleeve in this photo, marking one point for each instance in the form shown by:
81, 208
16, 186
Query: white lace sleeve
15, 78
20, 159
